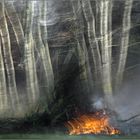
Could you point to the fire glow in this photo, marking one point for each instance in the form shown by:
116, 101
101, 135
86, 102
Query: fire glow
97, 123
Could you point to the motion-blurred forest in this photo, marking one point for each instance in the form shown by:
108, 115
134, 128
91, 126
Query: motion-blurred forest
59, 57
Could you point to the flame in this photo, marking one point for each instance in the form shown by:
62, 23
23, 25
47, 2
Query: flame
97, 123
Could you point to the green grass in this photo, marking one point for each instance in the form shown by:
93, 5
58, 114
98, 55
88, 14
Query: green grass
56, 136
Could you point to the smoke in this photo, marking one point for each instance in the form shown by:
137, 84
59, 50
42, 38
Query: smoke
127, 102
98, 104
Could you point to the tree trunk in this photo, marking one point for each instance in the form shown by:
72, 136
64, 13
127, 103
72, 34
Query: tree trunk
45, 52
16, 24
30, 64
3, 87
110, 6
78, 39
93, 49
124, 43
8, 60
106, 44
81, 48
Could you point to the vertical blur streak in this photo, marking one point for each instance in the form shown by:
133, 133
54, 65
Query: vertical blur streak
3, 92
105, 50
110, 8
81, 48
16, 24
8, 60
47, 64
43, 51
30, 66
93, 49
124, 42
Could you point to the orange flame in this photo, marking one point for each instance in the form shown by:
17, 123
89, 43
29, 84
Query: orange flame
91, 124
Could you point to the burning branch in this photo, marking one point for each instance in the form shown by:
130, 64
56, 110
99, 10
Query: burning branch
97, 123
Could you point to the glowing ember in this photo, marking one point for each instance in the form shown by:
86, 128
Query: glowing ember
91, 124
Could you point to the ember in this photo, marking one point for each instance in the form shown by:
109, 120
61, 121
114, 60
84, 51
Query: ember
97, 123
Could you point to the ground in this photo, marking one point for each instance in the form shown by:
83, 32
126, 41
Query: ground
63, 137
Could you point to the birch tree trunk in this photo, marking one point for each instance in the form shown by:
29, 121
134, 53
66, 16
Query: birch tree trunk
46, 57
24, 15
92, 40
110, 8
80, 51
3, 86
30, 65
43, 52
16, 24
8, 60
124, 43
106, 49
81, 48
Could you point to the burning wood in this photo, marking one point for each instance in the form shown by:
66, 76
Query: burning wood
97, 123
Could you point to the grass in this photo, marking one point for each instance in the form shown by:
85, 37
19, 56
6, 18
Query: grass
57, 136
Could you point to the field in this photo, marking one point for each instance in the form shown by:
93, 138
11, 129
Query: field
64, 137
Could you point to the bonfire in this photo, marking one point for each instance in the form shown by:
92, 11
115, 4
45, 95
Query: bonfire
93, 123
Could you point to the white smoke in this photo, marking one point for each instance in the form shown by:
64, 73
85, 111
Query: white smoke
99, 104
